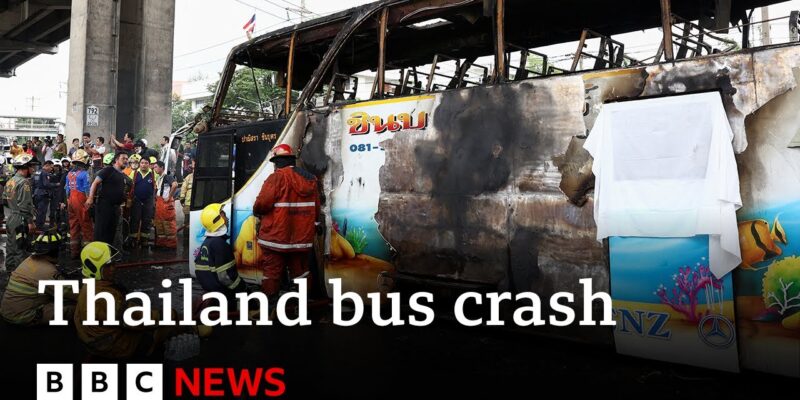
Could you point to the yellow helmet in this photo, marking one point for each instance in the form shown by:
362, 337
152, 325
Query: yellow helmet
108, 158
46, 243
134, 158
80, 156
211, 217
22, 160
94, 257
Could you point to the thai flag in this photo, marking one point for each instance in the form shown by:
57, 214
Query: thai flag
250, 26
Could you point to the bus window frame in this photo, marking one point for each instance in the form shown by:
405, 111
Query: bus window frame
203, 174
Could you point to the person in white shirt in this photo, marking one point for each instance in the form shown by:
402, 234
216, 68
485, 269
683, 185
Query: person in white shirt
98, 152
47, 150
165, 149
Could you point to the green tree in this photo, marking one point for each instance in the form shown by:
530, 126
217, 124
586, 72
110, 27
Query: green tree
242, 93
181, 112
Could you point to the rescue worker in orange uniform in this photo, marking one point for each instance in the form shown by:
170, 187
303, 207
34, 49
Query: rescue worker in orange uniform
81, 228
288, 205
165, 221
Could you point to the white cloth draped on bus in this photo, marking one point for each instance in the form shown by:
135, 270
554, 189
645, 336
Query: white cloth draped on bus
664, 167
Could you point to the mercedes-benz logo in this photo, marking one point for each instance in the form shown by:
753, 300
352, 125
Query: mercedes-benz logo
716, 331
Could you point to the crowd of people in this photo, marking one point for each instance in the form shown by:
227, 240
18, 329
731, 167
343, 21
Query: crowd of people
114, 191
137, 185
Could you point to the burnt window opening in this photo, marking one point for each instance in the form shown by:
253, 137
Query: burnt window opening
212, 177
253, 94
414, 47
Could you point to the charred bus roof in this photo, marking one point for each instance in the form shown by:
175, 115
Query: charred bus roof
466, 30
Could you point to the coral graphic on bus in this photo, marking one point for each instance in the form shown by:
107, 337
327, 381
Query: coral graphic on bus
668, 305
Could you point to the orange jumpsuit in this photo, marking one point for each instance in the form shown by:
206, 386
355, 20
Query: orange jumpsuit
288, 204
165, 222
80, 223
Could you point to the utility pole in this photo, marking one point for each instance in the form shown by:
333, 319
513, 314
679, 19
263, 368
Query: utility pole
301, 10
764, 27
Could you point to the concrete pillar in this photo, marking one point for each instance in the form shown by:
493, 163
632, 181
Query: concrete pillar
121, 63
157, 48
92, 67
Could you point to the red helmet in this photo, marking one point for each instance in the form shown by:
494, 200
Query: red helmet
282, 150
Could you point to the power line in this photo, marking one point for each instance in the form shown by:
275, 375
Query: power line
259, 9
258, 30
294, 7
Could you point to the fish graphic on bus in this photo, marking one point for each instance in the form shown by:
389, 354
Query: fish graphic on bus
760, 243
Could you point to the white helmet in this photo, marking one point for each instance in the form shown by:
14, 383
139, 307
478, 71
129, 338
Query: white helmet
144, 141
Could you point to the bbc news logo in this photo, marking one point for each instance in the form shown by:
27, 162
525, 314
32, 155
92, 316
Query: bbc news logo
146, 382
100, 381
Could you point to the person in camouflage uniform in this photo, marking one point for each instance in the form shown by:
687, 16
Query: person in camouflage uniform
19, 194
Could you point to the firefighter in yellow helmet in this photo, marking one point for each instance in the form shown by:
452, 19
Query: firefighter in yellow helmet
133, 164
22, 303
215, 265
120, 341
19, 195
77, 189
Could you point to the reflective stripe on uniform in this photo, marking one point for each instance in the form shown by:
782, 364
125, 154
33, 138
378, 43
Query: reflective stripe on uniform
235, 283
201, 267
221, 268
300, 204
22, 288
226, 266
286, 246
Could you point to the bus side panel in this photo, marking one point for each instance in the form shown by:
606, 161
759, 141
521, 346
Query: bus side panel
357, 252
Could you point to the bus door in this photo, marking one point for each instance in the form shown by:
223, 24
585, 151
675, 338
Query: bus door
253, 144
213, 182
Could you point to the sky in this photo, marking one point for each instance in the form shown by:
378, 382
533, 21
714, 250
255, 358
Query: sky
205, 30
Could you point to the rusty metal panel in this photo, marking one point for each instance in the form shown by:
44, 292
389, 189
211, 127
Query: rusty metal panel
497, 189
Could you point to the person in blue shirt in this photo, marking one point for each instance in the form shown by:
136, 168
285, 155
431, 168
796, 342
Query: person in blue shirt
143, 204
43, 186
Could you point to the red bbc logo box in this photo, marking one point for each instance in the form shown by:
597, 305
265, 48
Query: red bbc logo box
100, 381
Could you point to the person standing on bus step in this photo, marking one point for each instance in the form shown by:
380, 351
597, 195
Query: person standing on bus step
43, 193
77, 188
19, 226
165, 220
288, 205
186, 196
111, 195
142, 207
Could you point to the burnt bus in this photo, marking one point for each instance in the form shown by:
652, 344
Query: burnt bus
449, 153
